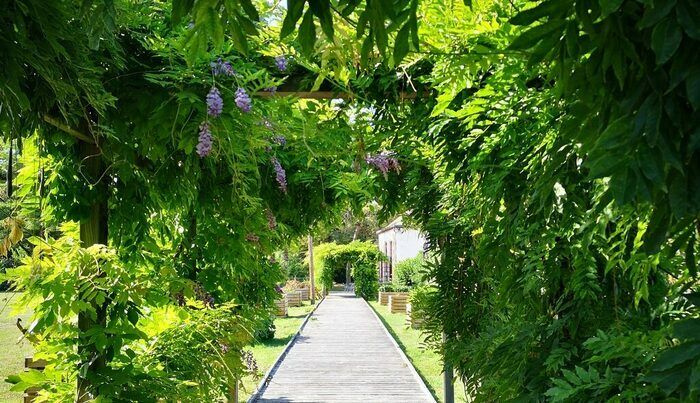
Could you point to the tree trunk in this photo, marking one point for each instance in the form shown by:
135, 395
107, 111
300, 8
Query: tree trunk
93, 230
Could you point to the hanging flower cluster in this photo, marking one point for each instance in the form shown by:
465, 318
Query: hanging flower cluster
280, 174
384, 162
215, 104
205, 140
243, 100
279, 140
281, 63
220, 67
271, 220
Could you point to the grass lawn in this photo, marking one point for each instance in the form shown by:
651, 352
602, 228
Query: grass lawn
12, 353
427, 362
266, 353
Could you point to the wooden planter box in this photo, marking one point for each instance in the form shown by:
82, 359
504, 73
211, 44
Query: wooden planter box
397, 302
384, 297
413, 318
281, 305
294, 298
305, 294
29, 363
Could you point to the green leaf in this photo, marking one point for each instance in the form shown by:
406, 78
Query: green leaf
307, 33
532, 36
604, 164
366, 50
401, 44
688, 15
656, 13
295, 9
676, 355
250, 10
650, 164
321, 8
655, 234
678, 195
615, 135
687, 329
180, 9
381, 37
692, 87
665, 40
240, 41
546, 8
608, 7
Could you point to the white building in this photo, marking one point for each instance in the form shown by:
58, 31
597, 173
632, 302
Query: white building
397, 243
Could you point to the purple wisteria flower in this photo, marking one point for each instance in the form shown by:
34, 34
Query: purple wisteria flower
215, 104
280, 174
243, 100
271, 220
279, 140
205, 140
384, 162
222, 67
271, 90
252, 238
281, 63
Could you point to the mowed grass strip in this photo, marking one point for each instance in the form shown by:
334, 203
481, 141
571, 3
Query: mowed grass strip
12, 349
427, 362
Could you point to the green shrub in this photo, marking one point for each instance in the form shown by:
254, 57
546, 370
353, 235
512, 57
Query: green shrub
408, 273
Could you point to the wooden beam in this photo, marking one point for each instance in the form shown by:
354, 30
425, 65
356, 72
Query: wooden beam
324, 94
64, 127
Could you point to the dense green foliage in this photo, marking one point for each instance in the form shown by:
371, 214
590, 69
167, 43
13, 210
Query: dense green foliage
553, 175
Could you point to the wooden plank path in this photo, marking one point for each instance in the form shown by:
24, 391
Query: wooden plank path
343, 354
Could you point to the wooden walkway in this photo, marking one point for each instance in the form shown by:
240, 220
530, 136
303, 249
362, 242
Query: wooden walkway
344, 354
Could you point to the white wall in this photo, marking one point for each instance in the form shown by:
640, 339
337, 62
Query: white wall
399, 244
409, 243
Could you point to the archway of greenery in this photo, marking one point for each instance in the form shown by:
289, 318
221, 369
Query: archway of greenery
548, 149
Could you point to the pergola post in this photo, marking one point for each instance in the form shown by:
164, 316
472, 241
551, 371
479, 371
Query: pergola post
312, 281
448, 376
